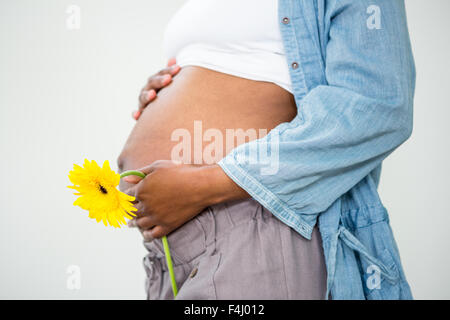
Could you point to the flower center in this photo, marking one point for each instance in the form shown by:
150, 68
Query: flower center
103, 189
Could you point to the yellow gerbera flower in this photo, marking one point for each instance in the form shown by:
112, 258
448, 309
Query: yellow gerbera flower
97, 188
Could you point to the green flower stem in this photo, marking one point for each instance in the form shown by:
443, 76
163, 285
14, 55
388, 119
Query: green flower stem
170, 266
132, 173
164, 239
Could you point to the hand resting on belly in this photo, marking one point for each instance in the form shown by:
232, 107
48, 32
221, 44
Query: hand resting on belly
197, 110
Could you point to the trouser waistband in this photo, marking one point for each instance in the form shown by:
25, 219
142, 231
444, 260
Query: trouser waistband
199, 234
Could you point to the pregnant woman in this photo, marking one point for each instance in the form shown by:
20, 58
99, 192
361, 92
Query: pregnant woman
264, 153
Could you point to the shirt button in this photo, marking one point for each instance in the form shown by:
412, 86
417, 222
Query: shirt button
294, 65
285, 20
193, 273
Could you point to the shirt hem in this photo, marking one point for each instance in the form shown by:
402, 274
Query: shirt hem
244, 75
266, 198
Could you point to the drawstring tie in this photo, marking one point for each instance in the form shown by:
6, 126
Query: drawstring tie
353, 243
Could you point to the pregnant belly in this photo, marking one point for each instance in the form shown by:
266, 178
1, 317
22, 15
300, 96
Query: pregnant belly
202, 115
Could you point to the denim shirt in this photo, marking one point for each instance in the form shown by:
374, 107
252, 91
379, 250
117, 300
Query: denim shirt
353, 78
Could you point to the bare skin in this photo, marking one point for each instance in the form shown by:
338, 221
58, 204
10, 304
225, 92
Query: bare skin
173, 193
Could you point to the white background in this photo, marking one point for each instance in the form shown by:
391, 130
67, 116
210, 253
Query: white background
66, 95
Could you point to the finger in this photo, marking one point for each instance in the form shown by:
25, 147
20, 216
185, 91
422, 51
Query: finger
155, 83
173, 69
132, 223
145, 223
159, 80
147, 234
156, 232
136, 114
146, 97
171, 61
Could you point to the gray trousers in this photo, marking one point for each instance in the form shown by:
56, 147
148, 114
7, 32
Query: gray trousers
237, 250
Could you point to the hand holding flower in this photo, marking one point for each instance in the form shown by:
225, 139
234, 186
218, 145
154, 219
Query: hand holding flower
173, 193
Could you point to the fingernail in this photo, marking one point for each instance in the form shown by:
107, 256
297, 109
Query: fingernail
174, 67
151, 94
136, 114
132, 223
172, 59
147, 235
166, 77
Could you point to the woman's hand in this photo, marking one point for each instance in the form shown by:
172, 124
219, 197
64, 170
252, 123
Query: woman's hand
156, 82
173, 193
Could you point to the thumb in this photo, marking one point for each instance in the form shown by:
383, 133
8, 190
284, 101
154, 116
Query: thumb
148, 169
157, 164
135, 175
132, 179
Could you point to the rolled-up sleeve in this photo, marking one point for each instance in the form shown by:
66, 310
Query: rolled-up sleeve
345, 127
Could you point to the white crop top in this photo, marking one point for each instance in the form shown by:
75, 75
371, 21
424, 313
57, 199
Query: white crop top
237, 37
